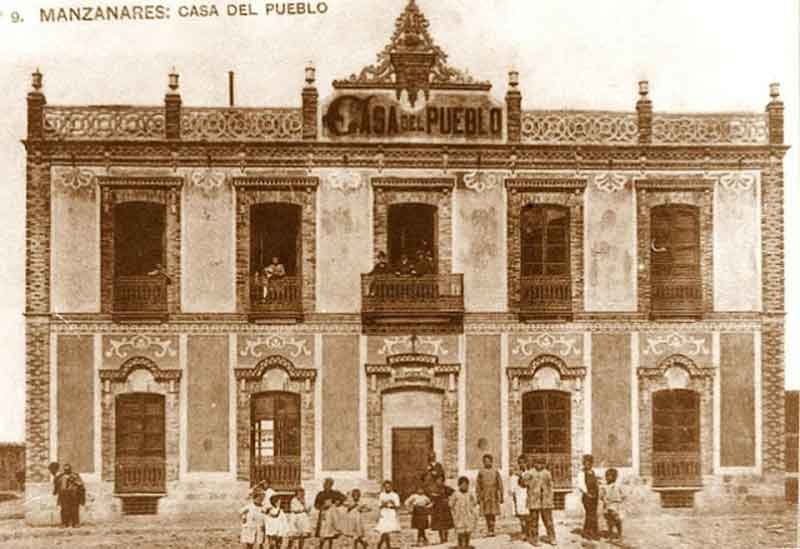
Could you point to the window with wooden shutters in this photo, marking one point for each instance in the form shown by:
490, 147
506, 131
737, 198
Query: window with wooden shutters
275, 439
140, 443
546, 432
676, 286
545, 284
676, 437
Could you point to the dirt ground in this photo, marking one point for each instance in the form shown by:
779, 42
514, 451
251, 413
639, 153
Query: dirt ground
673, 529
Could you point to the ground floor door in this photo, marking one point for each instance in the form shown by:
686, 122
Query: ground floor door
410, 449
140, 465
275, 439
676, 438
547, 431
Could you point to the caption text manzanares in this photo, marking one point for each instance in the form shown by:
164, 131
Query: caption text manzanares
144, 12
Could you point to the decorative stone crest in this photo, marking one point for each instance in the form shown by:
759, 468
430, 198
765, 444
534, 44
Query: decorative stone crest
480, 182
737, 182
296, 347
610, 182
207, 180
140, 343
76, 179
413, 368
657, 345
346, 182
411, 62
394, 345
565, 346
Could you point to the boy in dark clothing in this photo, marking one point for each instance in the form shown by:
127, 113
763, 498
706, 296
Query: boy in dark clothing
590, 490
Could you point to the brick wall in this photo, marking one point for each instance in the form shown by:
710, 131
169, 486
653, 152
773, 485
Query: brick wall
37, 238
12, 461
37, 401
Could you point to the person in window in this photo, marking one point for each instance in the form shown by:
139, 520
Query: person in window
381, 268
405, 267
258, 284
159, 270
272, 273
422, 266
71, 494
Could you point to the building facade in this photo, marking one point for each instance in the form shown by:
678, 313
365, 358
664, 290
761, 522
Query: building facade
555, 282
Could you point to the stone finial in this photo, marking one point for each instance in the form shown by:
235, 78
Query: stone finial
36, 103
310, 99
36, 81
513, 79
173, 81
172, 107
311, 74
775, 114
644, 110
514, 107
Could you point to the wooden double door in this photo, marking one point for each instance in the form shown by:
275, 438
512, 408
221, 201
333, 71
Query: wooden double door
410, 449
676, 438
140, 442
275, 435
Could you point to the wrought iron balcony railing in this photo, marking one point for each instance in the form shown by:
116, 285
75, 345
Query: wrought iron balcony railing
281, 472
676, 469
277, 297
409, 294
140, 475
677, 296
140, 296
549, 295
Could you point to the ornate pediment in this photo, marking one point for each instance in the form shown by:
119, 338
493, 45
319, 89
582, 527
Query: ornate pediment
412, 367
411, 62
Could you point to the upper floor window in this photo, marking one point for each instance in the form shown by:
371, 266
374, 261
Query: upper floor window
275, 257
412, 238
675, 279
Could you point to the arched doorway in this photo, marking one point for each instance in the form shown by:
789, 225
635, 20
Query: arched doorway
275, 447
140, 444
546, 431
676, 438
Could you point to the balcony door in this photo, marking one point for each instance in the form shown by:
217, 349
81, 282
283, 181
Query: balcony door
275, 439
140, 277
676, 438
140, 444
675, 260
545, 284
546, 431
275, 258
411, 229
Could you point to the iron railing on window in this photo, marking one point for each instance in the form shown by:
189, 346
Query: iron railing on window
140, 475
140, 294
548, 294
280, 472
277, 295
676, 296
427, 293
676, 469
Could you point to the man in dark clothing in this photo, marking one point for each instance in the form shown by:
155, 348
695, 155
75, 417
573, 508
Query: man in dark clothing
381, 268
324, 499
68, 487
590, 490
434, 470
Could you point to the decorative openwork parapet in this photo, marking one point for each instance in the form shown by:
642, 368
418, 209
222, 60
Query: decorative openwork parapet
271, 124
579, 127
104, 122
413, 368
712, 128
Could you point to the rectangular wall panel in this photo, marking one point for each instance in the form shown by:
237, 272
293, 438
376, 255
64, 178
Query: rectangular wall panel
737, 400
611, 400
208, 378
340, 392
75, 398
483, 399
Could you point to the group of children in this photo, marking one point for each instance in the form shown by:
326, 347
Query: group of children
266, 524
433, 506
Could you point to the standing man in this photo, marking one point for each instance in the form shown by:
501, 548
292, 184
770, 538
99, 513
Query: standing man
434, 471
590, 489
540, 501
324, 500
489, 488
69, 489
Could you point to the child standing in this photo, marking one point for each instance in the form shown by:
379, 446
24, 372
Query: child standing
587, 483
387, 522
299, 523
489, 488
465, 512
519, 495
276, 526
612, 497
355, 522
540, 501
252, 519
332, 521
420, 506
441, 517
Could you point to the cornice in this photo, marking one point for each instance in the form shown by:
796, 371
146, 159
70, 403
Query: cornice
674, 184
275, 182
546, 184
139, 181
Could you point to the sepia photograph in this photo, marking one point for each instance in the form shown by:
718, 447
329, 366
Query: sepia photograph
350, 274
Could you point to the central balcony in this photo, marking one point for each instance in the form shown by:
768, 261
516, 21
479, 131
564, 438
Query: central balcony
676, 297
546, 297
140, 298
277, 299
418, 303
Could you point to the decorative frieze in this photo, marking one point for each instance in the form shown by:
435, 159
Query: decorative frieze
737, 182
292, 346
480, 181
75, 179
241, 124
346, 182
101, 122
400, 344
610, 182
207, 180
692, 346
723, 128
563, 345
140, 343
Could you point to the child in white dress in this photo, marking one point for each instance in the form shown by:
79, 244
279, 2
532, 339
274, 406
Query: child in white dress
299, 523
388, 523
252, 519
275, 524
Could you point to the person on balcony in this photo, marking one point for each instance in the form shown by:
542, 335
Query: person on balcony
71, 495
405, 267
381, 268
272, 273
159, 270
